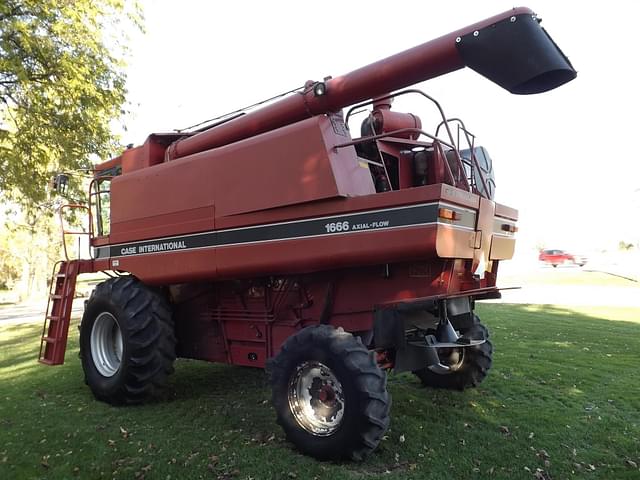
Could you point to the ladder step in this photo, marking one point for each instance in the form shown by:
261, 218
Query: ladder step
49, 339
55, 296
61, 275
54, 318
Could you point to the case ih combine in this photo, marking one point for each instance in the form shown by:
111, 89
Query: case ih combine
276, 239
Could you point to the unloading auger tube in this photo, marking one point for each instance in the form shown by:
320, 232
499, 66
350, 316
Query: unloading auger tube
510, 49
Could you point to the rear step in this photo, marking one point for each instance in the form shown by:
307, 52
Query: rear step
53, 341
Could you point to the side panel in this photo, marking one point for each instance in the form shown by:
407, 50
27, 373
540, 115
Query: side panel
292, 165
167, 199
353, 238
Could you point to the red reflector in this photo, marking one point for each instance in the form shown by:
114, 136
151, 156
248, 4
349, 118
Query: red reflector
507, 227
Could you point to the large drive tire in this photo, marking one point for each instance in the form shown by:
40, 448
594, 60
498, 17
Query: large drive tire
329, 395
127, 341
470, 365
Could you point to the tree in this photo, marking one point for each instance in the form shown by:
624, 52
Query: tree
62, 83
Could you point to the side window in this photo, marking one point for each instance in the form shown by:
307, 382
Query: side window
102, 202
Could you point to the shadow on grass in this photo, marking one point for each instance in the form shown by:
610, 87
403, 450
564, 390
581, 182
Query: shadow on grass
560, 398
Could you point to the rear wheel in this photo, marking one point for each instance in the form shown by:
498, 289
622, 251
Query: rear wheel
468, 366
329, 395
127, 342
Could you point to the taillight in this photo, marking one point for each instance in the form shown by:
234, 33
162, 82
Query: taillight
448, 214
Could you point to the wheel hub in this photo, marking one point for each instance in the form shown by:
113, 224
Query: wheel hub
106, 344
452, 358
316, 398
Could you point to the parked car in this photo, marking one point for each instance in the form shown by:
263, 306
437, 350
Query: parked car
558, 257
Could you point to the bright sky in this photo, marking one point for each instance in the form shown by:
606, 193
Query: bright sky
566, 159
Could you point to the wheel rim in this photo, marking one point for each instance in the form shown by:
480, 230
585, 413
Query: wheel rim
316, 398
106, 344
452, 358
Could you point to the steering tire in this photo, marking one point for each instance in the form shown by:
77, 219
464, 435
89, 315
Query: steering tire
329, 394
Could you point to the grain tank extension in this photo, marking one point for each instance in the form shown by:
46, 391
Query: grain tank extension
305, 237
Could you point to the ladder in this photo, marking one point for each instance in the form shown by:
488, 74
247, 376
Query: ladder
53, 342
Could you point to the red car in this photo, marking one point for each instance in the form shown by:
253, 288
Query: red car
558, 257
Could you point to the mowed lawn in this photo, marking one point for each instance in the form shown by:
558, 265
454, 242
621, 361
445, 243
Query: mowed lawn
562, 401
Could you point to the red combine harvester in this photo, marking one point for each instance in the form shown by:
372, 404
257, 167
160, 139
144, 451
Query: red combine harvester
275, 239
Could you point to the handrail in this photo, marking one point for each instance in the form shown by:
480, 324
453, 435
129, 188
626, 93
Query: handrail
436, 140
444, 122
97, 193
471, 144
398, 94
72, 232
393, 134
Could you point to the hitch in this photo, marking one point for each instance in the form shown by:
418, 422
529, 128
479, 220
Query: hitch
445, 337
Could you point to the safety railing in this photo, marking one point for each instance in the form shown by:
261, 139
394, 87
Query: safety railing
79, 233
469, 182
96, 191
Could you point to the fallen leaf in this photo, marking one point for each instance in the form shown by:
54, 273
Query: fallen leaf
402, 438
505, 430
631, 463
543, 454
124, 433
541, 474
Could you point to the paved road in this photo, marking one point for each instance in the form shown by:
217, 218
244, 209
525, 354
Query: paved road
33, 311
586, 295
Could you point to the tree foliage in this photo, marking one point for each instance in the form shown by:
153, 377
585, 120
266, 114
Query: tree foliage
62, 84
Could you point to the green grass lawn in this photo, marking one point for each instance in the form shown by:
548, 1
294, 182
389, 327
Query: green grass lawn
562, 401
